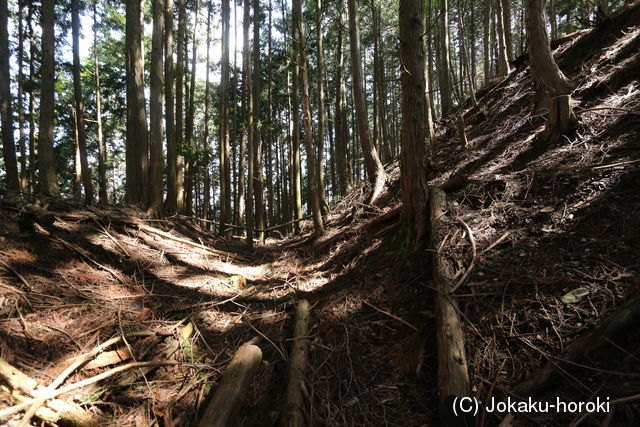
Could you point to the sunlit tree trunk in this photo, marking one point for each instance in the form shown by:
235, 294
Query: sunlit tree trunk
340, 121
21, 135
205, 140
170, 114
321, 106
188, 139
79, 104
46, 159
295, 139
375, 171
503, 60
102, 151
249, 126
179, 113
6, 113
155, 206
225, 166
314, 192
137, 144
257, 177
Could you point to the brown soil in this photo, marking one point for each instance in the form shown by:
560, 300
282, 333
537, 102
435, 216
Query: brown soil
565, 214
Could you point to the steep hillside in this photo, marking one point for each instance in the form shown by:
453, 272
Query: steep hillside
545, 220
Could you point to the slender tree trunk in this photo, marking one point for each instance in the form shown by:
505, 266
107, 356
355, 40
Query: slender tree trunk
464, 59
506, 21
205, 140
32, 98
272, 120
225, 166
21, 135
503, 59
486, 62
155, 206
190, 118
249, 127
375, 171
553, 20
46, 159
340, 121
137, 145
170, 114
415, 192
245, 105
258, 182
178, 162
102, 152
79, 104
295, 140
6, 114
77, 169
321, 107
313, 183
445, 73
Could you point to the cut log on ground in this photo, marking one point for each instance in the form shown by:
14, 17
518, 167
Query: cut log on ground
294, 415
625, 319
453, 378
235, 383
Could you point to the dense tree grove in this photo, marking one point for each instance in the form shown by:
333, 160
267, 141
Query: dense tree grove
251, 116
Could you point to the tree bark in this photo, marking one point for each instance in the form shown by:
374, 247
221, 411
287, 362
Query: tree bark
503, 60
313, 182
46, 158
375, 171
294, 414
256, 175
415, 115
170, 114
225, 166
189, 173
6, 113
321, 106
342, 164
224, 123
22, 143
506, 21
102, 151
155, 206
250, 116
180, 67
444, 76
32, 98
547, 75
137, 144
296, 179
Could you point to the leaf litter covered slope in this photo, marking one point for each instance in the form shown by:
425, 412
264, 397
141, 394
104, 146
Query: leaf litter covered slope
547, 220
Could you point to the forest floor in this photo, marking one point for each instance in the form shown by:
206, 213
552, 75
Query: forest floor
546, 219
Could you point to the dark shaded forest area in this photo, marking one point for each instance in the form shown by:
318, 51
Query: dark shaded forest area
419, 212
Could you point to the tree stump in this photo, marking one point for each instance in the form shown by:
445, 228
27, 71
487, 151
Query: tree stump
561, 119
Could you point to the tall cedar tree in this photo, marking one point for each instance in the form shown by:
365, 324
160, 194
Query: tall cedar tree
415, 192
256, 173
170, 115
137, 144
155, 206
81, 139
225, 167
6, 114
102, 151
250, 116
313, 184
46, 159
375, 171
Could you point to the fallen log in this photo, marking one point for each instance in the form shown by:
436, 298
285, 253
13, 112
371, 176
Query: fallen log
294, 415
626, 318
235, 382
453, 378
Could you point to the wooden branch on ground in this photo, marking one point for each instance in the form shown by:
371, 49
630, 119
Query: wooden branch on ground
294, 415
234, 385
50, 394
24, 282
391, 215
453, 378
625, 319
275, 227
24, 389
